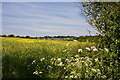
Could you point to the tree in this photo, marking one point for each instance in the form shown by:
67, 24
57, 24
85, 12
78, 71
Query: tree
11, 35
27, 36
17, 36
4, 35
105, 18
22, 37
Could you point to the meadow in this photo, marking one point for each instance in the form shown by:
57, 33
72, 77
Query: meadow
35, 58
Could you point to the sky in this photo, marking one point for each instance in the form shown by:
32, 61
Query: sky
44, 19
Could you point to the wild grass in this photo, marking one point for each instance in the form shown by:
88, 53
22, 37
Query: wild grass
18, 54
35, 58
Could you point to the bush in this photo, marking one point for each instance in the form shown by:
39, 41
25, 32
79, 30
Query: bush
11, 35
4, 35
98, 64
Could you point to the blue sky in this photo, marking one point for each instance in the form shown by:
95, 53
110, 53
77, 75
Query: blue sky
43, 19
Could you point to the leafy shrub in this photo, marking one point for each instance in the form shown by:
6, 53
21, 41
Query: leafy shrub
97, 66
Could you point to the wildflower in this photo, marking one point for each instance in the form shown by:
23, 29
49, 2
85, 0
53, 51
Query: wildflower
98, 70
40, 72
71, 57
90, 63
60, 64
71, 76
94, 70
42, 59
81, 58
95, 49
88, 48
35, 72
75, 40
106, 49
87, 71
52, 58
67, 44
64, 67
33, 62
65, 50
72, 64
78, 74
49, 66
86, 64
104, 76
76, 55
82, 61
59, 59
73, 72
79, 50
77, 59
67, 60
66, 76
96, 60
99, 73
86, 75
87, 58
75, 77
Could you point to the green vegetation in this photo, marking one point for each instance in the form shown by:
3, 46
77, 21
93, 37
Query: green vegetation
87, 38
80, 38
12, 35
19, 53
91, 58
32, 58
106, 20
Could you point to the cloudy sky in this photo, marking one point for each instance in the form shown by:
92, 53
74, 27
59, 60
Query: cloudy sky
43, 19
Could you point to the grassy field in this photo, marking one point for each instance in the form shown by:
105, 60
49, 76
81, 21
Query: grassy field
18, 54
34, 58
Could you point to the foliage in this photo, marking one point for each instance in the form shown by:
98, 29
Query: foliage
31, 58
17, 36
3, 36
11, 35
57, 37
89, 38
92, 66
46, 37
18, 54
80, 38
106, 19
27, 36
104, 16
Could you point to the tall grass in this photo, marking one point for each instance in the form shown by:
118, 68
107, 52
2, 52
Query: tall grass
18, 55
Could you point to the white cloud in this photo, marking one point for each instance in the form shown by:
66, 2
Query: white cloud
44, 17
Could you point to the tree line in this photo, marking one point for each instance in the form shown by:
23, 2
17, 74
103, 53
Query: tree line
12, 35
80, 38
